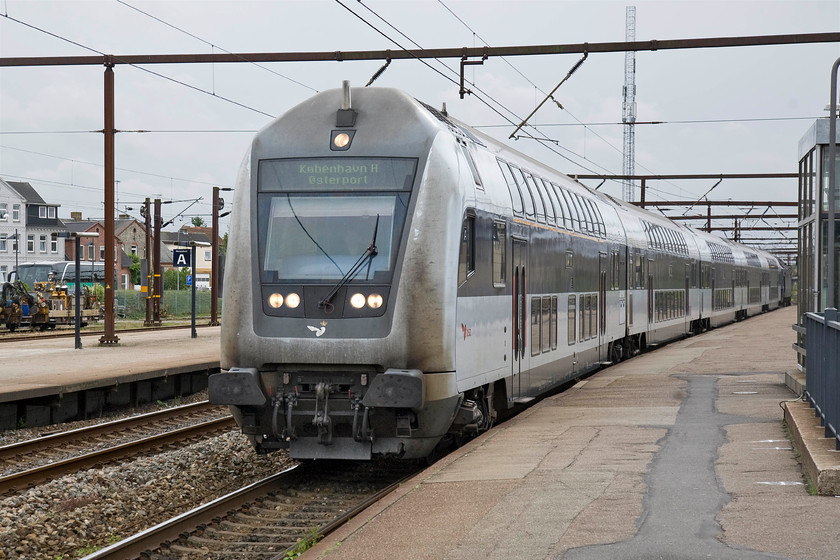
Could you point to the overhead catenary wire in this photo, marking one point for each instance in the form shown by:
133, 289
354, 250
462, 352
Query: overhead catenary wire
134, 65
213, 45
478, 97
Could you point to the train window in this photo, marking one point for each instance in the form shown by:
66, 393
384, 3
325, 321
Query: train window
552, 325
584, 318
593, 319
590, 217
672, 236
602, 227
549, 208
550, 212
615, 270
499, 250
466, 258
546, 329
555, 201
573, 215
536, 326
582, 214
539, 203
527, 195
590, 207
640, 277
571, 321
515, 195
473, 168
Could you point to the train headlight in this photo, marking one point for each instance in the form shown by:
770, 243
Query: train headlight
275, 300
357, 301
341, 140
374, 301
292, 300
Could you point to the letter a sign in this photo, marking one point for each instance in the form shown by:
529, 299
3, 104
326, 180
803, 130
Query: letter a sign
180, 258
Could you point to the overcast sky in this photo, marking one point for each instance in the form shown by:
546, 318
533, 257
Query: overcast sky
748, 107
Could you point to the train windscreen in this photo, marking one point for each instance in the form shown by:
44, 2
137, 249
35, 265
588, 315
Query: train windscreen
318, 218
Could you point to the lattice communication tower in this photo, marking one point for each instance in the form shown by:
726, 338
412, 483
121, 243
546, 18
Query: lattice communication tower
628, 112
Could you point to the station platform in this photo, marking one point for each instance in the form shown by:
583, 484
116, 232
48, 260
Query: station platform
48, 380
680, 453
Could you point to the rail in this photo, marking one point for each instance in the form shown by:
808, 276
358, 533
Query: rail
822, 362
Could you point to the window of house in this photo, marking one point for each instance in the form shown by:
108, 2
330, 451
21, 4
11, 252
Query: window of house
15, 212
4, 212
53, 244
102, 252
30, 243
4, 243
42, 211
134, 248
51, 211
42, 244
90, 252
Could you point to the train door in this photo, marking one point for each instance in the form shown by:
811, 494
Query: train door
603, 263
519, 364
650, 292
687, 296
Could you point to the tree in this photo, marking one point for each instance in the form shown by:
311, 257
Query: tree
134, 269
175, 278
198, 221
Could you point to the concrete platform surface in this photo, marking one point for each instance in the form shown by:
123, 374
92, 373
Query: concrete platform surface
40, 367
680, 453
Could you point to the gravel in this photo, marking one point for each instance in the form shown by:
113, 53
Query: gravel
77, 514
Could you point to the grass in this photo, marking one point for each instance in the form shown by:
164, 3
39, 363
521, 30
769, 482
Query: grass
304, 544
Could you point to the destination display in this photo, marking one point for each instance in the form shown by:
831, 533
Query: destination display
336, 174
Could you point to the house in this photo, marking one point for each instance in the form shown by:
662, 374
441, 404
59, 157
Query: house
93, 249
27, 225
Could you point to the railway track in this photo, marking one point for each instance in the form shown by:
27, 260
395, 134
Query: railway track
31, 462
268, 518
18, 335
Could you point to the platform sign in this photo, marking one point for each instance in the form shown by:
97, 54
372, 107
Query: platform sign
180, 257
189, 279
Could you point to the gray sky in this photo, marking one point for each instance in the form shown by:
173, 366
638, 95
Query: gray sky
735, 85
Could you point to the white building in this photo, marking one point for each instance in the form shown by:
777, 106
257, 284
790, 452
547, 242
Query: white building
26, 227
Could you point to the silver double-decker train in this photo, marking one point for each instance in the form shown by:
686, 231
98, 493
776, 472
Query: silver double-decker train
395, 278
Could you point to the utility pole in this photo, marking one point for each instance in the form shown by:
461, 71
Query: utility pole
147, 214
218, 205
158, 281
628, 110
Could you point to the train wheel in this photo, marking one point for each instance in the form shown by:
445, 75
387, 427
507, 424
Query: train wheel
616, 351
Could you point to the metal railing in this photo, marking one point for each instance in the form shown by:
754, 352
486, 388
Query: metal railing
822, 359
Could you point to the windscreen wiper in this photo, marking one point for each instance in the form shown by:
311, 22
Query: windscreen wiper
367, 256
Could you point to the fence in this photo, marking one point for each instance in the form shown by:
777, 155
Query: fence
131, 304
822, 362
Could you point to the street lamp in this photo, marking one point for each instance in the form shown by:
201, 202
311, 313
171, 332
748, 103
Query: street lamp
77, 236
193, 245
